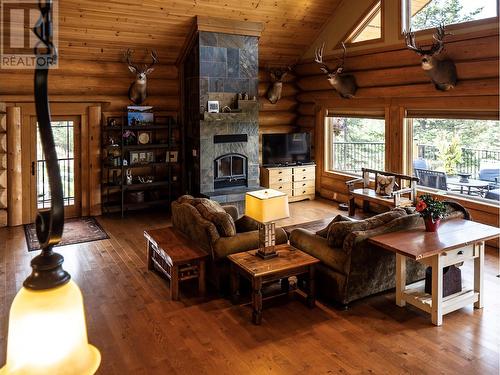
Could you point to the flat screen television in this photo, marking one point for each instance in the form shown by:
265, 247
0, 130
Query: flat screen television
286, 149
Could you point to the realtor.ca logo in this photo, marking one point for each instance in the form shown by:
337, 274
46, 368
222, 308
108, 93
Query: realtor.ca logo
17, 19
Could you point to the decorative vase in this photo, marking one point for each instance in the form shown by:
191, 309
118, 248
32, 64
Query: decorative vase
431, 225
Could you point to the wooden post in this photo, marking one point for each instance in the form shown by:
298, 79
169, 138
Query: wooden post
478, 274
400, 279
437, 290
3, 166
14, 162
94, 148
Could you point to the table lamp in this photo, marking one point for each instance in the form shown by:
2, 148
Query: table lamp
267, 206
47, 330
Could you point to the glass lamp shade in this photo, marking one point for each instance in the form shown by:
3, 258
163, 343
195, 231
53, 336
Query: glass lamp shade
267, 205
48, 334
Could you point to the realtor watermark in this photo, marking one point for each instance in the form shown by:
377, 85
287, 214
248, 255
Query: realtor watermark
17, 39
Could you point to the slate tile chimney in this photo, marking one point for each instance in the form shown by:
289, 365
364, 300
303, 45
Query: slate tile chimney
224, 152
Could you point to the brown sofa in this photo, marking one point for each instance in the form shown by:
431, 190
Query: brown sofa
353, 268
209, 235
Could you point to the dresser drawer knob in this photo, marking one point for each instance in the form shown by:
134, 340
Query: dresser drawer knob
281, 187
461, 252
280, 179
304, 192
304, 184
304, 177
280, 172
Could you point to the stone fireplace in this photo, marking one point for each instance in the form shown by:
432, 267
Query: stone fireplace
222, 148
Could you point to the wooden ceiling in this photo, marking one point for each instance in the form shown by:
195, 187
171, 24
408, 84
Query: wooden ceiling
103, 30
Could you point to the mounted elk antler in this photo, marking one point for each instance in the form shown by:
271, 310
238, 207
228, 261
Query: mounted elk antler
277, 75
344, 84
443, 73
137, 91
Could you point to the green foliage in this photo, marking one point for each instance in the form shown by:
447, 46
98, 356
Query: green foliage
444, 12
450, 154
429, 207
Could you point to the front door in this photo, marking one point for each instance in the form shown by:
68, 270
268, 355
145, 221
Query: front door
66, 130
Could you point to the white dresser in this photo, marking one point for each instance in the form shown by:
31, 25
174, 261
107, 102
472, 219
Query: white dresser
297, 182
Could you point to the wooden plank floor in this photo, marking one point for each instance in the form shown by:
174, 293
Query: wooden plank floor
139, 331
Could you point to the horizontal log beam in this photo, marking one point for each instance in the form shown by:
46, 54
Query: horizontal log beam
306, 122
464, 88
272, 118
463, 50
287, 104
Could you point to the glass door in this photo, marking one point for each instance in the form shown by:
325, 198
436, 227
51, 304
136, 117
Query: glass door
66, 130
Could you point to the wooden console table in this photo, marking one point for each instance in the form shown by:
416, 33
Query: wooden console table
289, 262
175, 256
455, 241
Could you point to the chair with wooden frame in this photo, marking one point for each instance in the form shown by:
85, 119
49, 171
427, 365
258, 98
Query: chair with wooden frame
403, 197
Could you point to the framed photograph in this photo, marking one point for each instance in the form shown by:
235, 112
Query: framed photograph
134, 157
172, 156
140, 115
144, 137
213, 106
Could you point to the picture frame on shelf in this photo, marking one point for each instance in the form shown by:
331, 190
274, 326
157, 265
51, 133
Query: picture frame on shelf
213, 106
172, 156
144, 137
140, 116
141, 157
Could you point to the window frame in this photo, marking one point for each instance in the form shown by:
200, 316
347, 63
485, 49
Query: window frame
362, 22
328, 137
456, 115
405, 19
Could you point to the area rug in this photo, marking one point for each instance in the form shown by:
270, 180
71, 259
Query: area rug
84, 229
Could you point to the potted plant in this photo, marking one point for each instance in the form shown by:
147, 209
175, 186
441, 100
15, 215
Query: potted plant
129, 137
432, 210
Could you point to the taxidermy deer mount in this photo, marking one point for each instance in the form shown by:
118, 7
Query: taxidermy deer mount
443, 73
277, 75
344, 84
137, 91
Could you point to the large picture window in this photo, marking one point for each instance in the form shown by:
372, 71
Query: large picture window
428, 14
354, 143
457, 156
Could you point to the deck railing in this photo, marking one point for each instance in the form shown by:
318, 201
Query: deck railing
352, 156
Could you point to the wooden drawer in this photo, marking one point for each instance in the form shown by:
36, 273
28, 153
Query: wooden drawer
303, 184
303, 176
284, 187
304, 169
278, 176
459, 255
305, 191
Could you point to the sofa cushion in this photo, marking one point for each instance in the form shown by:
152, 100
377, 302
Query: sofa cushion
324, 232
338, 231
213, 211
246, 224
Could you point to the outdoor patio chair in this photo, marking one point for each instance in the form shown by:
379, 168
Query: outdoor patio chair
432, 179
420, 163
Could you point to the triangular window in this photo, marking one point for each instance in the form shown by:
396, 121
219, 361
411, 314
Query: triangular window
369, 27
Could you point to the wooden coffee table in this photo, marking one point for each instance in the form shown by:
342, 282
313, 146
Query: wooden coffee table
289, 262
455, 241
177, 257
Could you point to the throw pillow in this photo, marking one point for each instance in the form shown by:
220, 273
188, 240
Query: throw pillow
246, 224
385, 185
324, 232
338, 231
213, 211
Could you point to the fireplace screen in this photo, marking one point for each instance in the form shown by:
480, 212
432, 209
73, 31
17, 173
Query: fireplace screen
230, 170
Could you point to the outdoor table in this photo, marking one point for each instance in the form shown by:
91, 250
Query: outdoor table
470, 184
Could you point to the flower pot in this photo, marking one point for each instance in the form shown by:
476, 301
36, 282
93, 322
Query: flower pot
431, 225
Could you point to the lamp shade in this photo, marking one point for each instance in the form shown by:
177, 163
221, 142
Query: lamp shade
266, 205
48, 335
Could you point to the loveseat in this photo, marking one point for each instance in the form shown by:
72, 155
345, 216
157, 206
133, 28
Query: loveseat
351, 267
220, 231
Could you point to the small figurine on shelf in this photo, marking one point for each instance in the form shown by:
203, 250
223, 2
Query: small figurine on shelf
129, 137
112, 123
128, 176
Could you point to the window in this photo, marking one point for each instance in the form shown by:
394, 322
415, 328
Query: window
354, 143
369, 28
458, 156
428, 14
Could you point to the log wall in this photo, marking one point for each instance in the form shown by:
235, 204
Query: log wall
391, 80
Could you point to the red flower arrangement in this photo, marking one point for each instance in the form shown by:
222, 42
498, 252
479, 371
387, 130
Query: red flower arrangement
432, 210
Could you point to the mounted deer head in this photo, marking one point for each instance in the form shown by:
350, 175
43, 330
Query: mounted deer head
137, 91
443, 73
277, 75
344, 84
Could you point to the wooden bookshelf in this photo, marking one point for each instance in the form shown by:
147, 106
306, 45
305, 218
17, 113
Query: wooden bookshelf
118, 158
